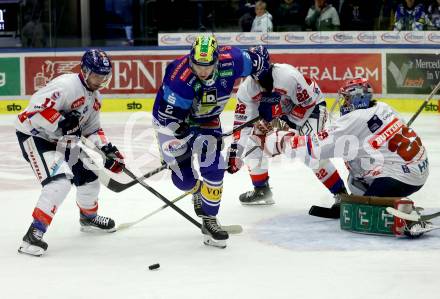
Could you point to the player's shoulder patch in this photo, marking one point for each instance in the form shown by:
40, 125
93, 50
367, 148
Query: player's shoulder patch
374, 123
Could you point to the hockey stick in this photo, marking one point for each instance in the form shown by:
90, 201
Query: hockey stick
171, 204
161, 197
413, 216
333, 213
126, 225
232, 229
116, 186
433, 92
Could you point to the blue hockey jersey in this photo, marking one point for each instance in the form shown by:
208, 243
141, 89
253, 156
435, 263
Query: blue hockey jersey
182, 95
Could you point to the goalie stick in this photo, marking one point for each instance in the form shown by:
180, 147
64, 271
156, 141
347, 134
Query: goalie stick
327, 212
414, 216
231, 229
116, 186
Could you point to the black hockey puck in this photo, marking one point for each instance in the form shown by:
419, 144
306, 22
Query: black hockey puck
154, 266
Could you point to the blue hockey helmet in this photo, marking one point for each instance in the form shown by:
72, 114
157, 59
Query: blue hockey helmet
355, 94
263, 61
97, 61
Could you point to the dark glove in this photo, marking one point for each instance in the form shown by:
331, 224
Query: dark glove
70, 124
234, 158
182, 131
270, 106
114, 159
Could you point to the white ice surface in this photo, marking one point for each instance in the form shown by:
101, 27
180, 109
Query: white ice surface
282, 253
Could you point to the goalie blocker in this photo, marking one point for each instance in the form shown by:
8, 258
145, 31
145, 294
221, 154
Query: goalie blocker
368, 215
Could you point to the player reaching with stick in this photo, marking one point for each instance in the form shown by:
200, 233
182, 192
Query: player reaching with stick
194, 92
299, 102
47, 130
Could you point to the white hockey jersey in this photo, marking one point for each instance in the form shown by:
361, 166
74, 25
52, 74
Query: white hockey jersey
374, 142
293, 87
61, 95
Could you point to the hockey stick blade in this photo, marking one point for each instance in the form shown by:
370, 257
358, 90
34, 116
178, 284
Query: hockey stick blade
330, 213
413, 216
233, 229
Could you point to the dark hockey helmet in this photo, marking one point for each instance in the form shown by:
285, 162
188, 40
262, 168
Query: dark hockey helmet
97, 61
355, 94
263, 62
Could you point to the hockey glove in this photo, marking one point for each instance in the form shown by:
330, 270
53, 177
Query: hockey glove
234, 158
262, 127
270, 106
182, 131
70, 124
114, 159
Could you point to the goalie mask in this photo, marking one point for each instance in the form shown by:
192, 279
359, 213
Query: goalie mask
355, 94
96, 68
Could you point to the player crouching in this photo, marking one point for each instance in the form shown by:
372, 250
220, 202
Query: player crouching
384, 157
47, 130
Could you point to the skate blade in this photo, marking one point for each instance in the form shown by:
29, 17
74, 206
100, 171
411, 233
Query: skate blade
30, 249
209, 241
94, 229
261, 202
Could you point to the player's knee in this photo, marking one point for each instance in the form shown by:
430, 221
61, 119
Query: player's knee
213, 173
88, 192
184, 182
57, 188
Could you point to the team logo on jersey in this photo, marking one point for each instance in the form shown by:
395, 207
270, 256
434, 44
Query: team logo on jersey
210, 97
374, 123
55, 96
174, 147
224, 83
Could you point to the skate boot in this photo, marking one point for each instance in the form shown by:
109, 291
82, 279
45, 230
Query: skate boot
197, 202
96, 223
214, 234
33, 243
259, 196
335, 209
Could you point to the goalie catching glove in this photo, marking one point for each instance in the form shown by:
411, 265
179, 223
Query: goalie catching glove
114, 159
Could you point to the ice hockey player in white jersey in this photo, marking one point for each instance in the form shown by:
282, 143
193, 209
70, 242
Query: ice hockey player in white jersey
56, 117
300, 105
385, 158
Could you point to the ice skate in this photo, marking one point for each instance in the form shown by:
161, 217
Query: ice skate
33, 243
259, 196
197, 202
97, 224
214, 234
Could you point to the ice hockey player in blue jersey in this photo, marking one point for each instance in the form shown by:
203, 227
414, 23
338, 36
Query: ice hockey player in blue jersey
194, 91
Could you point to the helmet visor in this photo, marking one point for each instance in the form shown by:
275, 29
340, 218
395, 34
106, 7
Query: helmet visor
97, 81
